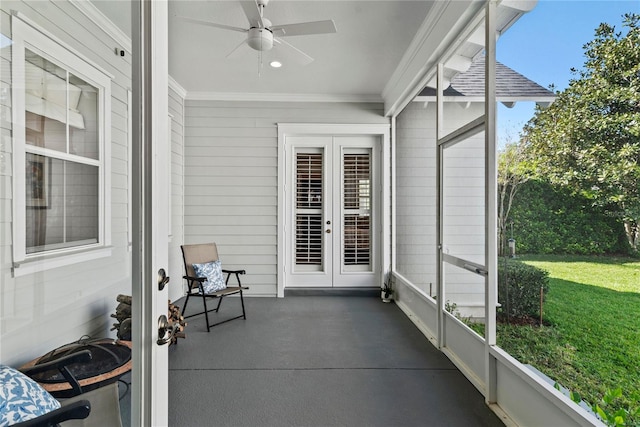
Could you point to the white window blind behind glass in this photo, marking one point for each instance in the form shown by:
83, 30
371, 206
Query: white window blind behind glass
309, 192
357, 209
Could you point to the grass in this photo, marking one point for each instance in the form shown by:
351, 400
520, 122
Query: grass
593, 342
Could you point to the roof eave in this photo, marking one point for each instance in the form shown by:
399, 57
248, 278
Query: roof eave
446, 28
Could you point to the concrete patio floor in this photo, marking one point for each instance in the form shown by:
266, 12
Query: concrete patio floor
316, 361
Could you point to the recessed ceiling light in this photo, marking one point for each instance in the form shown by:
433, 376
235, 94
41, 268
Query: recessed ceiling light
275, 64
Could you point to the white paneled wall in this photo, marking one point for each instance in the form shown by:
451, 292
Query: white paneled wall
176, 266
41, 311
416, 203
416, 196
230, 183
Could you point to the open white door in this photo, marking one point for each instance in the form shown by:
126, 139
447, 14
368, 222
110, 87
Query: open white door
150, 215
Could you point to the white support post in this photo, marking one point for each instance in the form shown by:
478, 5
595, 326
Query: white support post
393, 178
491, 177
440, 204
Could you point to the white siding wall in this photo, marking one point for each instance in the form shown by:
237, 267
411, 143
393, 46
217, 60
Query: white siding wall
175, 271
48, 309
416, 202
416, 196
231, 176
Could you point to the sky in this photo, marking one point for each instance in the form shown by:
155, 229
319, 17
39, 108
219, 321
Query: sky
547, 42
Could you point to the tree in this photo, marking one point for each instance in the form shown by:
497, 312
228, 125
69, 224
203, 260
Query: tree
589, 138
512, 173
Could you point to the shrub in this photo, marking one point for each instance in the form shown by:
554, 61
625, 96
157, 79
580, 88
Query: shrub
519, 288
550, 220
626, 414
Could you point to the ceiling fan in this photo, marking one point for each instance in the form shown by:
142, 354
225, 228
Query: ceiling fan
262, 34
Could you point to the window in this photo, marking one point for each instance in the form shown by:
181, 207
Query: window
61, 109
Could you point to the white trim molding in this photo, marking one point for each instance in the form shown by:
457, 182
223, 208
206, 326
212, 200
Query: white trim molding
25, 268
177, 87
298, 129
28, 36
417, 66
104, 23
281, 97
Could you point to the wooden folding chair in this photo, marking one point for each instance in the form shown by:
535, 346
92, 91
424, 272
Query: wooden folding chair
201, 254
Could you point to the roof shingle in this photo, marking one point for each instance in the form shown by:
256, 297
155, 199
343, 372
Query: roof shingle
509, 84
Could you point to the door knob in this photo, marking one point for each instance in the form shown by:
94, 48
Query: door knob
328, 230
166, 330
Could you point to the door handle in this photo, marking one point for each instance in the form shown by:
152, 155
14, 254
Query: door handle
328, 230
163, 279
166, 330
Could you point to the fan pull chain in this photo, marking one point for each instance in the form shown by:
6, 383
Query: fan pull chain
260, 60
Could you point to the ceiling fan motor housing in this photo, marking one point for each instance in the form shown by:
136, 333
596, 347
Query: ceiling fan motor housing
261, 38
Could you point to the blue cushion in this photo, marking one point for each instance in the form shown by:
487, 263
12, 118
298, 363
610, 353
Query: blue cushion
212, 271
21, 398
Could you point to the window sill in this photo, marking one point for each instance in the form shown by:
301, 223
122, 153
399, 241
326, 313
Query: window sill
43, 263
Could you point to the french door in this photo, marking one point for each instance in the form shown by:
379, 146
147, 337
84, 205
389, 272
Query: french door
332, 211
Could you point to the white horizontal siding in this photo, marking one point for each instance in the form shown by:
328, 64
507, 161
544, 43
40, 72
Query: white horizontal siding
464, 205
50, 308
175, 270
231, 158
416, 199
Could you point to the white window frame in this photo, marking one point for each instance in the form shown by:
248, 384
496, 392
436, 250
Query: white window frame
26, 35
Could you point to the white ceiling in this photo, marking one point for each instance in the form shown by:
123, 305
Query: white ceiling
357, 61
383, 49
371, 38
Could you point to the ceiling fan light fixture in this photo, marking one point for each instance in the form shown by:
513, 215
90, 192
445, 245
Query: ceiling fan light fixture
260, 34
260, 39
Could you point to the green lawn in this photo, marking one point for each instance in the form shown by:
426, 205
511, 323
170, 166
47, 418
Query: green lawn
593, 341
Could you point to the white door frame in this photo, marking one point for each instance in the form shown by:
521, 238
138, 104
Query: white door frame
150, 217
314, 129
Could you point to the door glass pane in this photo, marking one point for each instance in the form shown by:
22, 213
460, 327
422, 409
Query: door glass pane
308, 239
357, 209
309, 194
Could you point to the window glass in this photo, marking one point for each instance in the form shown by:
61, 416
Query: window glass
62, 204
57, 102
84, 140
62, 181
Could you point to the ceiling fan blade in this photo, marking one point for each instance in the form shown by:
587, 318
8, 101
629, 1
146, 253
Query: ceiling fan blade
235, 52
304, 28
300, 56
212, 24
252, 10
